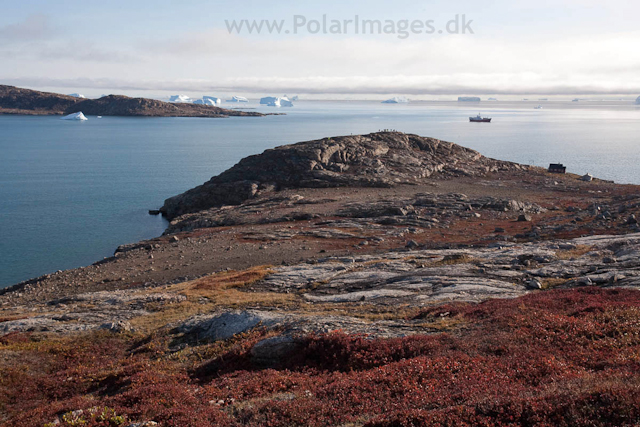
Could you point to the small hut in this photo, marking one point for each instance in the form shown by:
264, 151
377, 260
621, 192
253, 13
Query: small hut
557, 168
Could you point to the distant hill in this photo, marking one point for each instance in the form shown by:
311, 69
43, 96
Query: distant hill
14, 100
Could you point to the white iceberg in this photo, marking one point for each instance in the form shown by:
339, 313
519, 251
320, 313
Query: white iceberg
209, 102
180, 99
214, 100
75, 116
77, 95
396, 100
238, 99
295, 98
273, 101
285, 102
268, 100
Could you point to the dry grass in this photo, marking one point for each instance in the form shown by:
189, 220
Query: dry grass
212, 292
231, 279
169, 314
455, 259
9, 318
574, 253
550, 283
444, 324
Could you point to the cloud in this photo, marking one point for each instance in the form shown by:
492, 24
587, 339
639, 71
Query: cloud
214, 60
34, 27
468, 84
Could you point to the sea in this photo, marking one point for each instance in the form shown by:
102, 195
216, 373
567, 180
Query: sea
71, 192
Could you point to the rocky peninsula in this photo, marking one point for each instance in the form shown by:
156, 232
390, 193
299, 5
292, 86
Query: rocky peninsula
15, 100
385, 279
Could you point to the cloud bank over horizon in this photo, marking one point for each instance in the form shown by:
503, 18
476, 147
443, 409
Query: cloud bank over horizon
39, 50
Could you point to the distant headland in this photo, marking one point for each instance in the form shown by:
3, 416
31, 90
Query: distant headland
14, 100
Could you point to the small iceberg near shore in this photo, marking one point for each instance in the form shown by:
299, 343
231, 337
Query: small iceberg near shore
77, 95
75, 116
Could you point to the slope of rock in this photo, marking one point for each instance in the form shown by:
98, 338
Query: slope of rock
383, 159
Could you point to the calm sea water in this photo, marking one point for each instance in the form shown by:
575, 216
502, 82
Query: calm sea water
71, 192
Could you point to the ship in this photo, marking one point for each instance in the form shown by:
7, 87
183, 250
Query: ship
480, 119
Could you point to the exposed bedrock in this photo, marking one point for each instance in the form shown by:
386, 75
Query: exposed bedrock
383, 159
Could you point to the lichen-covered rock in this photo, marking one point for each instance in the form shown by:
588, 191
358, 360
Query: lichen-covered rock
225, 325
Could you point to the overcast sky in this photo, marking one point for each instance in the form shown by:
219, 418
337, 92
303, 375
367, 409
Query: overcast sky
144, 47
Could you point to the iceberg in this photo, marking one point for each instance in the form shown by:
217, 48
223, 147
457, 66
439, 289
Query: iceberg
468, 99
638, 101
396, 100
209, 102
273, 101
75, 116
214, 100
268, 100
77, 95
285, 102
180, 99
238, 99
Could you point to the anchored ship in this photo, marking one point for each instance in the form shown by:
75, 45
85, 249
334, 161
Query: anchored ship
480, 119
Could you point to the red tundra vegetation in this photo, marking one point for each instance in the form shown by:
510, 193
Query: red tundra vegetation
555, 358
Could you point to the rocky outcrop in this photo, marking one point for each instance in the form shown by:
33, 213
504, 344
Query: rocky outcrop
383, 159
425, 210
471, 275
15, 100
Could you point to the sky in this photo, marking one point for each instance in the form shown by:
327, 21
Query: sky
510, 48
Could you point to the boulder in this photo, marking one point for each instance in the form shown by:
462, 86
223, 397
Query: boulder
225, 325
534, 284
274, 350
118, 327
